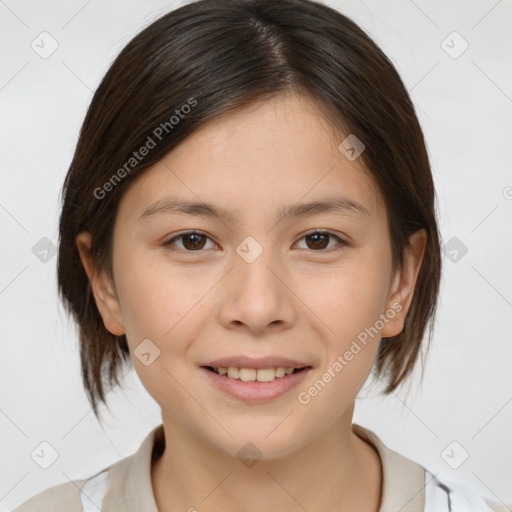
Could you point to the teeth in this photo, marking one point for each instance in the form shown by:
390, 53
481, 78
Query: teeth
266, 374
247, 374
280, 372
253, 374
233, 372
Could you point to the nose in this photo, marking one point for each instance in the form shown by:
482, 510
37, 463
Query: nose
256, 296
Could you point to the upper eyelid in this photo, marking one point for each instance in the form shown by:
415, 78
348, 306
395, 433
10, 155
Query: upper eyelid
189, 232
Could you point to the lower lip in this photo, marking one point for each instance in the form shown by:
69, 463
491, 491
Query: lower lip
254, 392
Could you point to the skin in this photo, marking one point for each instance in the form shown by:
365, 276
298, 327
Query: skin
298, 299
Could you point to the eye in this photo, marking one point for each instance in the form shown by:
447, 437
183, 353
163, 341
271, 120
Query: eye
193, 241
318, 240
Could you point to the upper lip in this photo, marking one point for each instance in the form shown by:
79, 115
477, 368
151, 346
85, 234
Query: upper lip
262, 362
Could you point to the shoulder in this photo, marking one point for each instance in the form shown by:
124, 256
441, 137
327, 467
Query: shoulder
60, 498
124, 485
453, 496
410, 487
113, 488
75, 496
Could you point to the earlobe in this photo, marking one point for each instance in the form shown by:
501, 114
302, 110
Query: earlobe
404, 283
102, 288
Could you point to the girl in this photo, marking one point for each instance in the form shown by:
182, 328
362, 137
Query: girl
249, 219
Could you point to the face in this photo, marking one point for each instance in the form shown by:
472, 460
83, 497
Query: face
314, 287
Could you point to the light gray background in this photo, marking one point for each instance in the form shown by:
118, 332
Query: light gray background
465, 107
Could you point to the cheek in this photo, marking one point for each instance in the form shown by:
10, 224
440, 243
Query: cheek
155, 297
349, 299
349, 307
160, 305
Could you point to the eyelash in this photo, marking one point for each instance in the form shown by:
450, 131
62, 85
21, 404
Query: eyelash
169, 243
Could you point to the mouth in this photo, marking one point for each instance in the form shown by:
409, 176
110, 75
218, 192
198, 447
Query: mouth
255, 374
255, 385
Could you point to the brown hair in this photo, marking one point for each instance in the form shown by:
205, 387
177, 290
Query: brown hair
222, 55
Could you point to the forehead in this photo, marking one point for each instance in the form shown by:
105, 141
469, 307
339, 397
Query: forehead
264, 158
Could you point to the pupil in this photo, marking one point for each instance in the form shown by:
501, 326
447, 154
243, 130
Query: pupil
315, 236
195, 239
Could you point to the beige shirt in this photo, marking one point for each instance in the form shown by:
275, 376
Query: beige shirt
126, 486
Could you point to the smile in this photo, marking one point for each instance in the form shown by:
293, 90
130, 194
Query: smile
254, 374
255, 385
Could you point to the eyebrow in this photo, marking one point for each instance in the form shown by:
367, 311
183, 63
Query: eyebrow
174, 205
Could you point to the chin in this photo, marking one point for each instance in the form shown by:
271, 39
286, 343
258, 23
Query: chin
268, 438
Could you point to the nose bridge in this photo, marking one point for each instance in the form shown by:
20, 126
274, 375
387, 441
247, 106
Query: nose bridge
256, 295
252, 266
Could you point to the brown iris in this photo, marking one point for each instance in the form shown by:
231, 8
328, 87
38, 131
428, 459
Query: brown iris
320, 240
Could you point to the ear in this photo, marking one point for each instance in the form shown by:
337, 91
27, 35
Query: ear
102, 288
404, 282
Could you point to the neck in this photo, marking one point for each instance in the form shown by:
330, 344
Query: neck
192, 474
